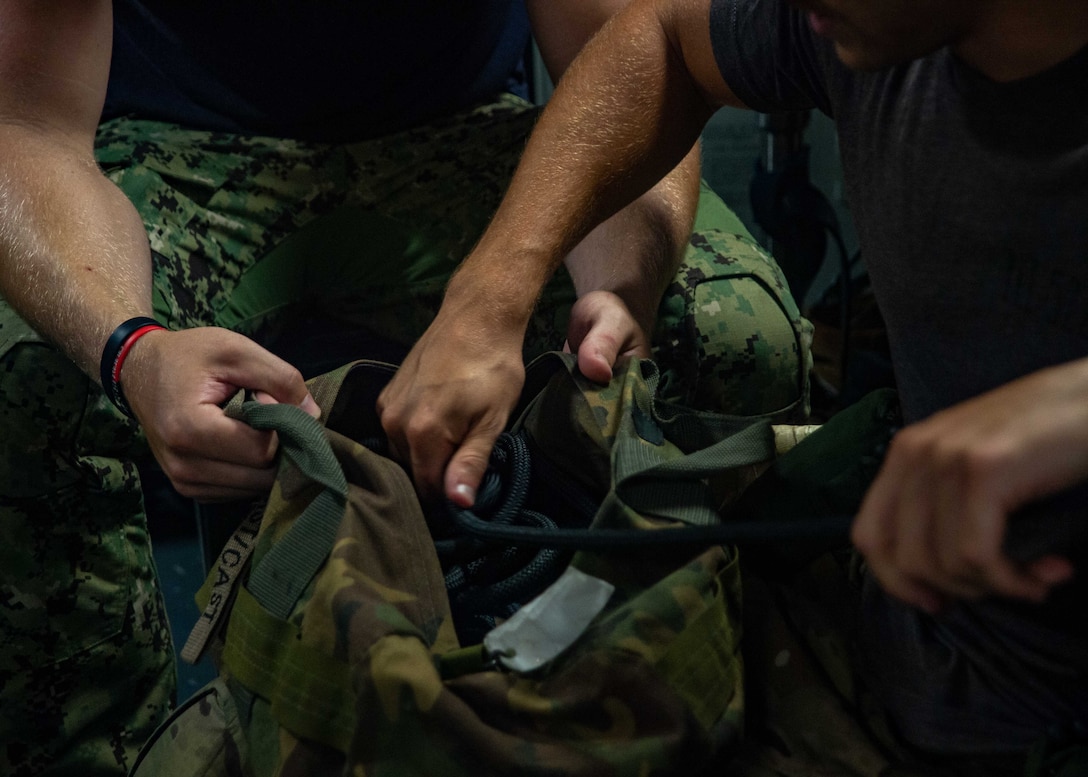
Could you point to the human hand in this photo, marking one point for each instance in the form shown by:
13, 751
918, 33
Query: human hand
932, 525
601, 331
176, 382
450, 400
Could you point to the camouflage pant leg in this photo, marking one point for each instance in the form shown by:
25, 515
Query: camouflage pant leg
86, 665
242, 229
86, 662
247, 228
730, 337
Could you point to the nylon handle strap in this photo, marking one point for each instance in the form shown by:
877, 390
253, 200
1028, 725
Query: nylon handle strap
279, 579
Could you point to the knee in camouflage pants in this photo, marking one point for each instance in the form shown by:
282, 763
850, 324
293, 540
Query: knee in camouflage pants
245, 231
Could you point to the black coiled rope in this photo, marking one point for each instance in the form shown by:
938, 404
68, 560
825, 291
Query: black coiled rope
488, 580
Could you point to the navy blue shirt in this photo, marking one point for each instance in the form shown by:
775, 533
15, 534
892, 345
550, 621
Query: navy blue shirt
315, 69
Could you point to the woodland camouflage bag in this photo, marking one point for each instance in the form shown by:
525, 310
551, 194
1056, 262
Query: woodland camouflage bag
356, 635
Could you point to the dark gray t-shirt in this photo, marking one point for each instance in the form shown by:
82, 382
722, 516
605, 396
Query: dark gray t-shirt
971, 204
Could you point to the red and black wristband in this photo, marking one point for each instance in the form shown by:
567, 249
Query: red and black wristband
113, 357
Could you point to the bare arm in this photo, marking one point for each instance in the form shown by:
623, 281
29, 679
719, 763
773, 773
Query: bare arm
634, 254
625, 114
75, 260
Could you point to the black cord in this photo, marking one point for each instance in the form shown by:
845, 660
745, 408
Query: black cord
506, 521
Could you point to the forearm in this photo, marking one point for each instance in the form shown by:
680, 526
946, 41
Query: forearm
74, 257
636, 253
614, 127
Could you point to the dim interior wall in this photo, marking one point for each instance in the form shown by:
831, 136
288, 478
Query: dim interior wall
733, 143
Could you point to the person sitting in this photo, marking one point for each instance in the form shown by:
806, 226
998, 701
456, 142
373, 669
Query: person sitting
964, 137
179, 184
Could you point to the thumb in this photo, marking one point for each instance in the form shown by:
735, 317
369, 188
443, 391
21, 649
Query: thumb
466, 469
597, 354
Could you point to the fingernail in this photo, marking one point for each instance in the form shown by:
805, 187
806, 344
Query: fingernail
464, 495
310, 406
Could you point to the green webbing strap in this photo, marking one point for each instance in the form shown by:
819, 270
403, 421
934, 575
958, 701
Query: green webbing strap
706, 443
283, 573
217, 594
662, 457
675, 488
311, 692
663, 452
463, 661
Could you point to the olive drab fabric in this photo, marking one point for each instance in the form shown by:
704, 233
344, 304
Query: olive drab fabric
254, 234
338, 649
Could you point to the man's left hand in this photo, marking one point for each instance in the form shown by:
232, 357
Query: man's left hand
601, 331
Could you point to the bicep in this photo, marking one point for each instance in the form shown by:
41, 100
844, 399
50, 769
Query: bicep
54, 65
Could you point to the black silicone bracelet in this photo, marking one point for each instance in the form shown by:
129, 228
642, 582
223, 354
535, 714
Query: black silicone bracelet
110, 353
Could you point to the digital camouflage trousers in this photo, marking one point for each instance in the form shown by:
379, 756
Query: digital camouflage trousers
255, 234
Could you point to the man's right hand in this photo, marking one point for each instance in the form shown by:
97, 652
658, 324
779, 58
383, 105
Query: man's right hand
176, 383
450, 400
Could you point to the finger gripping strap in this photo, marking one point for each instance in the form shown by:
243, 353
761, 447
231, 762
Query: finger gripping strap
280, 578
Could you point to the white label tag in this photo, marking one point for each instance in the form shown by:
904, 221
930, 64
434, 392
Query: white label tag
550, 623
229, 567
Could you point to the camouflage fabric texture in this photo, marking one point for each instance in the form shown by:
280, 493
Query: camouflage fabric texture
253, 233
354, 666
248, 231
86, 661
